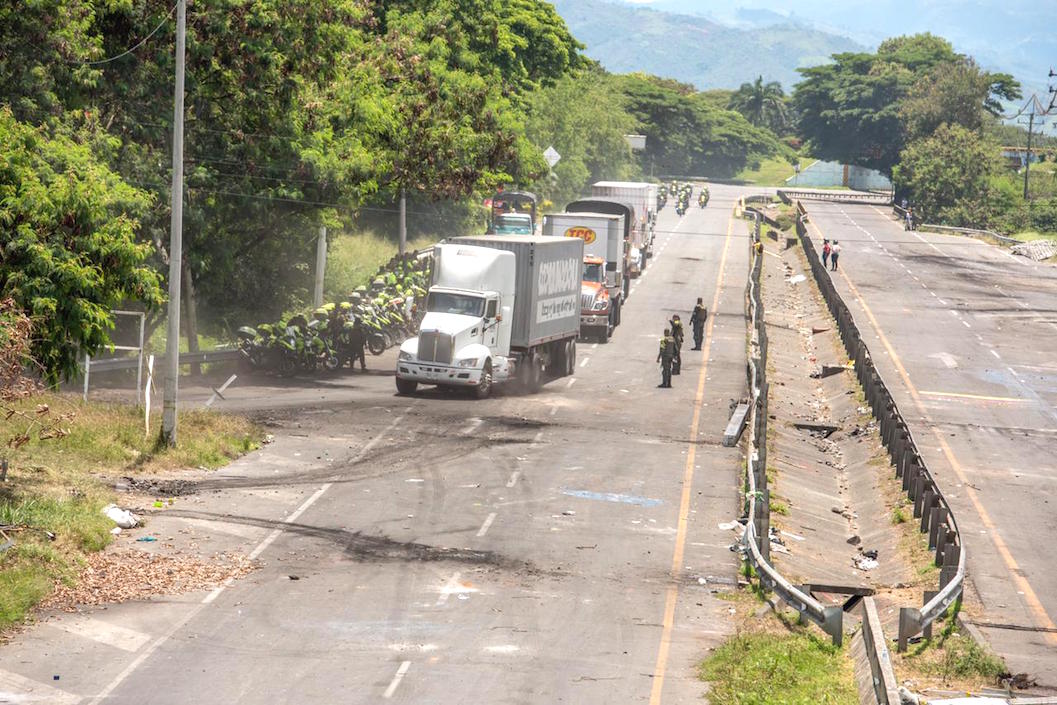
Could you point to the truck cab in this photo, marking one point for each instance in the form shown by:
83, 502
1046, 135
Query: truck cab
513, 224
596, 310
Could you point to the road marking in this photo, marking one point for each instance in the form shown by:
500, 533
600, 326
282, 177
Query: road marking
572, 381
1042, 618
553, 411
105, 633
486, 525
17, 689
672, 596
980, 397
966, 324
583, 363
449, 587
996, 354
594, 346
538, 437
474, 424
946, 358
513, 478
268, 540
395, 683
613, 497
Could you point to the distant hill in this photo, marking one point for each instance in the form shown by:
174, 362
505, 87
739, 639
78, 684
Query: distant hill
695, 50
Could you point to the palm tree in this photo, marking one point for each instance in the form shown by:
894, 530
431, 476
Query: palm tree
762, 104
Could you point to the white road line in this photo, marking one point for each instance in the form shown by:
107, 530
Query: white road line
966, 324
104, 632
474, 424
486, 525
942, 302
268, 540
954, 313
554, 410
449, 587
996, 354
395, 683
538, 437
583, 363
572, 381
16, 689
513, 478
594, 346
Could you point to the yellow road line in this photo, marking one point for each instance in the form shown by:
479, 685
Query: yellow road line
981, 397
688, 479
1042, 618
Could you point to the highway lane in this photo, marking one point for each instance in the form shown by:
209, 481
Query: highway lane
964, 335
545, 548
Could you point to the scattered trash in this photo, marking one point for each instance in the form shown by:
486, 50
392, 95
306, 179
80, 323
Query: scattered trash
870, 553
795, 537
1036, 250
158, 504
863, 563
116, 530
797, 279
146, 539
294, 577
268, 438
854, 540
1020, 681
908, 698
569, 513
464, 597
122, 517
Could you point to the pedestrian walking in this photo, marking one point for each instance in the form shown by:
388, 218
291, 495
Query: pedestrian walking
826, 251
697, 322
834, 255
909, 222
666, 356
676, 327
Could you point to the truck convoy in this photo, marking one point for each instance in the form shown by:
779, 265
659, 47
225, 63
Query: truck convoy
642, 197
500, 308
512, 213
605, 267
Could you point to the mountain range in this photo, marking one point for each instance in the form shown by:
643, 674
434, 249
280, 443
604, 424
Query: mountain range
719, 44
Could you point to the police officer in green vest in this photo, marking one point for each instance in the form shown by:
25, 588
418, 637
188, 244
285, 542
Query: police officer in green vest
666, 356
676, 327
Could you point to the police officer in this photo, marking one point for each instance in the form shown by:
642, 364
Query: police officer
697, 322
676, 327
357, 343
666, 356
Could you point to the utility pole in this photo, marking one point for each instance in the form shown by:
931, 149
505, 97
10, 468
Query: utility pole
403, 220
172, 343
321, 266
1027, 158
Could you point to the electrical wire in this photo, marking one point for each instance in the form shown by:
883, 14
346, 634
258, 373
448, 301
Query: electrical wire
132, 48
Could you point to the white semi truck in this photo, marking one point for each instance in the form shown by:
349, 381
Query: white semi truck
500, 308
642, 197
605, 267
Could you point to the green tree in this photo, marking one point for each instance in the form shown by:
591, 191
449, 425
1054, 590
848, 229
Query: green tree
950, 176
762, 104
68, 254
956, 92
584, 118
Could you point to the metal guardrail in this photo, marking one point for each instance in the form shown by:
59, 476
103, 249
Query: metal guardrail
930, 506
971, 232
885, 687
757, 529
790, 195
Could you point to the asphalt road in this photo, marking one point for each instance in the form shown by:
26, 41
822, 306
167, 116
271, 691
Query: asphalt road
559, 547
964, 335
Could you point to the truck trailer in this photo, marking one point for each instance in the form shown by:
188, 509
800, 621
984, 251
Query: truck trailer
605, 267
642, 197
500, 308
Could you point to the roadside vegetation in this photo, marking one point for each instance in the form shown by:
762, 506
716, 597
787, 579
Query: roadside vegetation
774, 661
353, 258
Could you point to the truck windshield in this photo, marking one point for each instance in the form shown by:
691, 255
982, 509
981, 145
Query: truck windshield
514, 224
594, 272
463, 304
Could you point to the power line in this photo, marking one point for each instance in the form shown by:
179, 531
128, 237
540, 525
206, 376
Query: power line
132, 48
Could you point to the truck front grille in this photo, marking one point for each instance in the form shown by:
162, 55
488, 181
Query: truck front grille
586, 301
434, 347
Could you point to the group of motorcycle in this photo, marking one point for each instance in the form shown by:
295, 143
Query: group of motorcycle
374, 318
682, 194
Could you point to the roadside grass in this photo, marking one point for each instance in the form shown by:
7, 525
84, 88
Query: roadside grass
56, 485
771, 662
354, 258
952, 659
772, 172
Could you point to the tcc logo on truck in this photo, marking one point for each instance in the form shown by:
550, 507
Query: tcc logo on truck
586, 234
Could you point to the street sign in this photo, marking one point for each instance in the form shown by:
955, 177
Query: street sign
552, 156
637, 143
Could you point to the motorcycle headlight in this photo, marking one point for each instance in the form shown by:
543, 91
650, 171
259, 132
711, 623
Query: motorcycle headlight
405, 356
468, 362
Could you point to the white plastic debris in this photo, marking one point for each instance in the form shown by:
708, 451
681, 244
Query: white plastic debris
122, 517
797, 279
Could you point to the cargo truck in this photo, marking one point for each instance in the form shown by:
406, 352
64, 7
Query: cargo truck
605, 267
632, 257
500, 308
643, 198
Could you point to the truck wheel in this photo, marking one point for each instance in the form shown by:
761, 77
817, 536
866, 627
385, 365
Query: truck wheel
535, 374
570, 357
406, 386
484, 387
616, 315
604, 336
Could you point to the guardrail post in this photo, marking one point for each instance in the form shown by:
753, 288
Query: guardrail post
928, 502
833, 624
939, 519
942, 539
911, 476
927, 629
923, 483
950, 567
908, 627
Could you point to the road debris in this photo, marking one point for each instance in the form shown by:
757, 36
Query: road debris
122, 517
123, 576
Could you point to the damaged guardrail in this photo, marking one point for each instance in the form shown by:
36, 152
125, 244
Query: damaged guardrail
757, 528
930, 506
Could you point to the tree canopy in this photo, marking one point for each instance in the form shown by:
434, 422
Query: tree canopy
762, 104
